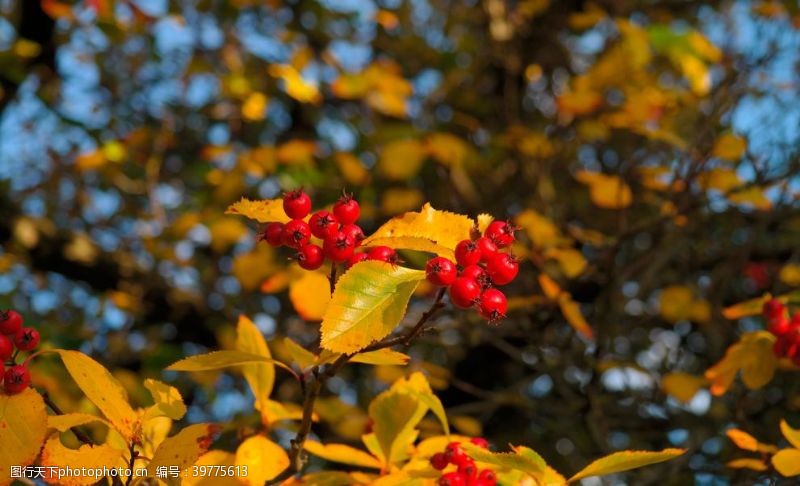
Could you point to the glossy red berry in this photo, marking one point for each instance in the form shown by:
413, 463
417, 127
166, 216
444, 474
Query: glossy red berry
501, 233
468, 253
453, 479
480, 442
487, 247
773, 309
10, 322
26, 339
354, 231
273, 234
383, 254
6, 348
338, 247
347, 209
493, 304
779, 326
439, 461
323, 224
502, 268
441, 271
464, 292
16, 379
355, 258
310, 257
468, 468
296, 204
296, 234
488, 476
477, 273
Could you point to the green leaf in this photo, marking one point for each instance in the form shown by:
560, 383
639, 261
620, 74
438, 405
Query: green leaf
520, 460
417, 385
368, 303
217, 360
624, 461
395, 415
303, 357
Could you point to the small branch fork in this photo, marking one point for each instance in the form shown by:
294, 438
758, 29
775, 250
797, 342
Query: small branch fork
319, 377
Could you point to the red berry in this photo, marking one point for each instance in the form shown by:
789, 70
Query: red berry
468, 468
488, 476
441, 271
467, 253
502, 268
452, 479
355, 258
347, 209
296, 234
464, 292
296, 204
480, 442
6, 348
477, 273
2, 370
26, 339
10, 322
354, 231
501, 233
779, 326
16, 379
773, 308
487, 247
310, 257
455, 454
323, 224
439, 461
338, 247
493, 304
383, 254
273, 234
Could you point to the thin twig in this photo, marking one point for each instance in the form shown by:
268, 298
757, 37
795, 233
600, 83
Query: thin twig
85, 439
134, 456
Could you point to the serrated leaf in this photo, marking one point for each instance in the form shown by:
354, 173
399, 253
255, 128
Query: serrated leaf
428, 230
168, 400
55, 455
182, 449
752, 355
381, 357
23, 428
213, 458
527, 463
368, 303
787, 462
217, 360
342, 454
264, 460
62, 423
260, 376
263, 211
625, 461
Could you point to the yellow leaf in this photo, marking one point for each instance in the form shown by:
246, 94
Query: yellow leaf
260, 376
23, 428
62, 423
787, 462
429, 230
395, 416
624, 461
55, 455
264, 460
721, 179
752, 355
381, 357
255, 106
310, 294
225, 233
297, 152
751, 196
168, 400
696, 73
398, 199
182, 449
578, 102
742, 439
682, 386
342, 454
571, 261
747, 463
102, 389
747, 308
217, 360
588, 18
790, 274
549, 286
295, 85
417, 386
675, 303
90, 160
299, 354
606, 191
447, 149
572, 313
729, 147
253, 268
263, 211
483, 222
213, 458
401, 159
522, 459
792, 435
351, 169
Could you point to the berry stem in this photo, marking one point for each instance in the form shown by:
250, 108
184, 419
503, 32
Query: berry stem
85, 439
332, 277
14, 357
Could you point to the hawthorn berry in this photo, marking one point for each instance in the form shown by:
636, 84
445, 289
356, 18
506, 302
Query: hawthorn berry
488, 476
296, 234
338, 247
773, 309
502, 268
439, 461
468, 253
10, 322
355, 258
487, 247
16, 379
323, 224
441, 271
464, 292
26, 339
455, 454
493, 304
501, 233
383, 254
354, 231
480, 442
310, 257
273, 234
6, 348
453, 479
296, 204
477, 273
468, 468
780, 326
347, 209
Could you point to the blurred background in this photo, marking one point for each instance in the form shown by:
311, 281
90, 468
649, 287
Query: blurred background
648, 150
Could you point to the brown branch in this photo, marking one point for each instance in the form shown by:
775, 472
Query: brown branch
85, 439
131, 463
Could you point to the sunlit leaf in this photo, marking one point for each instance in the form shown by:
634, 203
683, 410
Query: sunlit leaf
342, 454
213, 458
742, 439
263, 211
606, 191
747, 308
299, 354
729, 147
58, 457
62, 423
23, 427
401, 159
792, 435
748, 463
787, 462
682, 386
572, 313
624, 461
217, 360
381, 357
264, 460
752, 355
395, 416
519, 460
183, 449
310, 294
169, 402
260, 376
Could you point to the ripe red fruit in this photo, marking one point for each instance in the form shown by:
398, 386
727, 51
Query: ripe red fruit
26, 339
441, 271
477, 273
487, 247
464, 292
6, 348
310, 257
468, 468
439, 461
16, 379
488, 476
338, 247
383, 254
502, 268
296, 234
273, 234
493, 304
501, 233
452, 479
323, 224
355, 258
354, 231
779, 326
296, 204
467, 253
10, 322
480, 442
773, 309
347, 209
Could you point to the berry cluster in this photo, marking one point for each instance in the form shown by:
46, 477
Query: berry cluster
466, 473
12, 335
785, 328
481, 266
